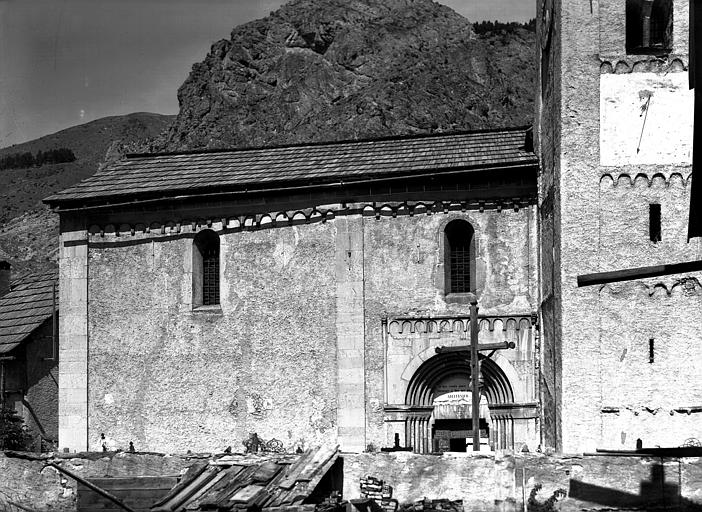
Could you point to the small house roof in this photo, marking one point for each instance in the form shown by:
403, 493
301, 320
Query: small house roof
25, 307
186, 174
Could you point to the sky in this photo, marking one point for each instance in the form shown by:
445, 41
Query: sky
67, 62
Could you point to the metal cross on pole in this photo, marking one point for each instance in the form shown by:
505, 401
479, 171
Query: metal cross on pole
475, 348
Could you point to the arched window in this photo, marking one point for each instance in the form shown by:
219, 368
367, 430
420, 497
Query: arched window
459, 251
206, 268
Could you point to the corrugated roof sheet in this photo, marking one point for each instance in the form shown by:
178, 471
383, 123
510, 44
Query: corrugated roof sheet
250, 482
25, 307
178, 174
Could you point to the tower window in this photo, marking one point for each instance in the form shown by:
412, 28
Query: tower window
206, 268
460, 257
650, 350
654, 222
649, 26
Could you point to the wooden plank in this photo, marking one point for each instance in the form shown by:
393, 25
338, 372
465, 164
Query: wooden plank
639, 273
247, 493
193, 472
135, 482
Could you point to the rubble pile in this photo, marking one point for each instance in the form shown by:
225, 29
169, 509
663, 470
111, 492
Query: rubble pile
377, 490
427, 505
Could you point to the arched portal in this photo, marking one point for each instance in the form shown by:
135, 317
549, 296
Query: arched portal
450, 373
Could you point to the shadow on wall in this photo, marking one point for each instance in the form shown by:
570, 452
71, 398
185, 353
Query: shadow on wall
655, 491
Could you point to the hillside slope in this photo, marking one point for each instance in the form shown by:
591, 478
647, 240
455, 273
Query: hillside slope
339, 69
28, 231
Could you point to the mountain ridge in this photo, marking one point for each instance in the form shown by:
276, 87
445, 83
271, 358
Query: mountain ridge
28, 229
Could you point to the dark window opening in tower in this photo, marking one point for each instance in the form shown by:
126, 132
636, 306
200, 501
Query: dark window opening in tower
206, 268
651, 350
649, 26
460, 252
654, 222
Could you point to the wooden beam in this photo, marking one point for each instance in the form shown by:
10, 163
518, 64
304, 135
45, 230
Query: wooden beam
630, 274
92, 486
483, 346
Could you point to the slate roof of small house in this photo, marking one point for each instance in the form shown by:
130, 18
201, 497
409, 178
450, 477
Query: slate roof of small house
169, 175
25, 307
269, 482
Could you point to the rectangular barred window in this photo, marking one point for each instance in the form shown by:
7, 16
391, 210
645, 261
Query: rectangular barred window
210, 278
460, 269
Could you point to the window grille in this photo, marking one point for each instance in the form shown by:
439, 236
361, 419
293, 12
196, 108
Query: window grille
210, 277
460, 268
460, 253
206, 268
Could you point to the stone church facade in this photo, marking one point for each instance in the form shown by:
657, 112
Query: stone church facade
614, 127
301, 292
301, 295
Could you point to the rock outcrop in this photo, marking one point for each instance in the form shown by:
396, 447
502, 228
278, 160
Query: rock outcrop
341, 69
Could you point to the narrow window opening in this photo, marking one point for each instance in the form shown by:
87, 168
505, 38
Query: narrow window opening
654, 222
649, 26
460, 257
650, 351
206, 269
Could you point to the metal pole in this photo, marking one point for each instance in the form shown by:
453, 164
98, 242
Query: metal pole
475, 372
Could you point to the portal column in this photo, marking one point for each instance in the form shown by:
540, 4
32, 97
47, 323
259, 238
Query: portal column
350, 330
73, 336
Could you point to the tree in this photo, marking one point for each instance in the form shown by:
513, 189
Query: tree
14, 434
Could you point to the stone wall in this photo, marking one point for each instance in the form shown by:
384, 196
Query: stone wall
173, 378
295, 350
483, 482
506, 482
28, 482
600, 335
32, 384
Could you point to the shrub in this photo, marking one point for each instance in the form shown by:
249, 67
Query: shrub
14, 434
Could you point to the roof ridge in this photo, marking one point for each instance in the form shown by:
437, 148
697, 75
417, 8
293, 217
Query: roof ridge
413, 136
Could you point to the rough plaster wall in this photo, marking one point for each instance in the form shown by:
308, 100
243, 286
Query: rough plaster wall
667, 309
579, 186
42, 383
606, 228
404, 276
172, 379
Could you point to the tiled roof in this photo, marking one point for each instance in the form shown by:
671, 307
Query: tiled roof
25, 307
191, 173
250, 482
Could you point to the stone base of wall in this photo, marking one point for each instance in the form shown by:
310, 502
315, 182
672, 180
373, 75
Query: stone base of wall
28, 482
503, 482
509, 482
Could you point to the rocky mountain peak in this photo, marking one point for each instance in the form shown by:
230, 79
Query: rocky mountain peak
338, 69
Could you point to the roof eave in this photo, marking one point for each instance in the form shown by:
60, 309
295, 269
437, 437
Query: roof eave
59, 204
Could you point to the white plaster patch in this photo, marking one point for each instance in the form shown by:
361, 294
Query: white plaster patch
109, 399
660, 106
283, 253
